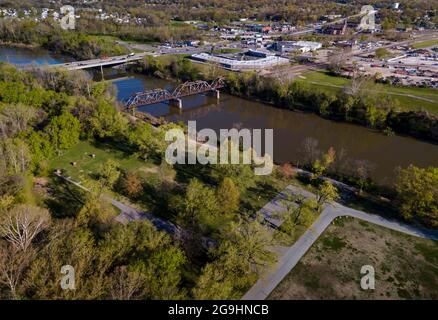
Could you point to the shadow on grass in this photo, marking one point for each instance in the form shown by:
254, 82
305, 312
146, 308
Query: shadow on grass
66, 200
257, 196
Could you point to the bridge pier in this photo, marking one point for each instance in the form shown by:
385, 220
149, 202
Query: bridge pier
176, 103
217, 93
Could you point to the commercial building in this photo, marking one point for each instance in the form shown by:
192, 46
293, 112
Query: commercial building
239, 64
301, 46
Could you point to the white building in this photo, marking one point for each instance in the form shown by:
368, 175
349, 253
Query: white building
302, 46
237, 65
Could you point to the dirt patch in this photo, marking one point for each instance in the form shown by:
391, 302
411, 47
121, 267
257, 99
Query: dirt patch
405, 267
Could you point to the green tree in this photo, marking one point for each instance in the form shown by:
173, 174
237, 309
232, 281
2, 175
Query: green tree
327, 192
64, 131
108, 173
298, 212
319, 167
228, 196
214, 284
417, 190
198, 205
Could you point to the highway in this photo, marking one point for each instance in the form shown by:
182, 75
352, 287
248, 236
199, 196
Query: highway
101, 62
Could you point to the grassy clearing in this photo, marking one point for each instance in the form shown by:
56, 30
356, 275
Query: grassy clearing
405, 267
425, 44
86, 165
410, 98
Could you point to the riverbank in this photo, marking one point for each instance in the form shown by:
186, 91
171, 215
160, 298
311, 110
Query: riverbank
376, 111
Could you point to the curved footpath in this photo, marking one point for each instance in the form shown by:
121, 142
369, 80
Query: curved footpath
290, 258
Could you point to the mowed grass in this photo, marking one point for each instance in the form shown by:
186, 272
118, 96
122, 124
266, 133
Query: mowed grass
87, 165
405, 267
410, 98
425, 44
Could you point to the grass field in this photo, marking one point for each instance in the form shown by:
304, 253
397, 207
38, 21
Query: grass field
405, 267
86, 165
410, 98
425, 44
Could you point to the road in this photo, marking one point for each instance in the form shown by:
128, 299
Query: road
290, 258
92, 63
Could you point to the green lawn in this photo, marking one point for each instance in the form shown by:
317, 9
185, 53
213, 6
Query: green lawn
425, 44
415, 102
86, 165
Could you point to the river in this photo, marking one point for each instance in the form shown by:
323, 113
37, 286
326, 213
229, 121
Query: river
355, 146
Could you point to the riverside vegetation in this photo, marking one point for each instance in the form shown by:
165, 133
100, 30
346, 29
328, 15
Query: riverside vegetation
46, 116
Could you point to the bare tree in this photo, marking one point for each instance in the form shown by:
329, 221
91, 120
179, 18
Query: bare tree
355, 86
309, 150
22, 224
337, 60
126, 285
13, 264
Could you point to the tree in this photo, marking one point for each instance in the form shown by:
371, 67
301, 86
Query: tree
105, 120
319, 167
199, 203
337, 61
126, 284
131, 184
22, 224
95, 213
107, 175
245, 247
286, 171
13, 265
14, 156
241, 174
417, 190
228, 196
15, 118
40, 149
64, 131
327, 192
298, 212
214, 284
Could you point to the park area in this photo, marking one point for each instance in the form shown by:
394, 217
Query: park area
410, 98
82, 161
405, 267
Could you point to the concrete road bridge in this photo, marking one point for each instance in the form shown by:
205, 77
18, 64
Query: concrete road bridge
185, 89
101, 62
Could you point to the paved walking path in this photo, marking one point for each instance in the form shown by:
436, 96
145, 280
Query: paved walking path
290, 258
129, 213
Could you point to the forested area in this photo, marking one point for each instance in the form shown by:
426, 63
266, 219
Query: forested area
79, 45
46, 223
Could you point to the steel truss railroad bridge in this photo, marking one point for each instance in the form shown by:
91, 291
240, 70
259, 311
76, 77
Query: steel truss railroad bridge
185, 89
